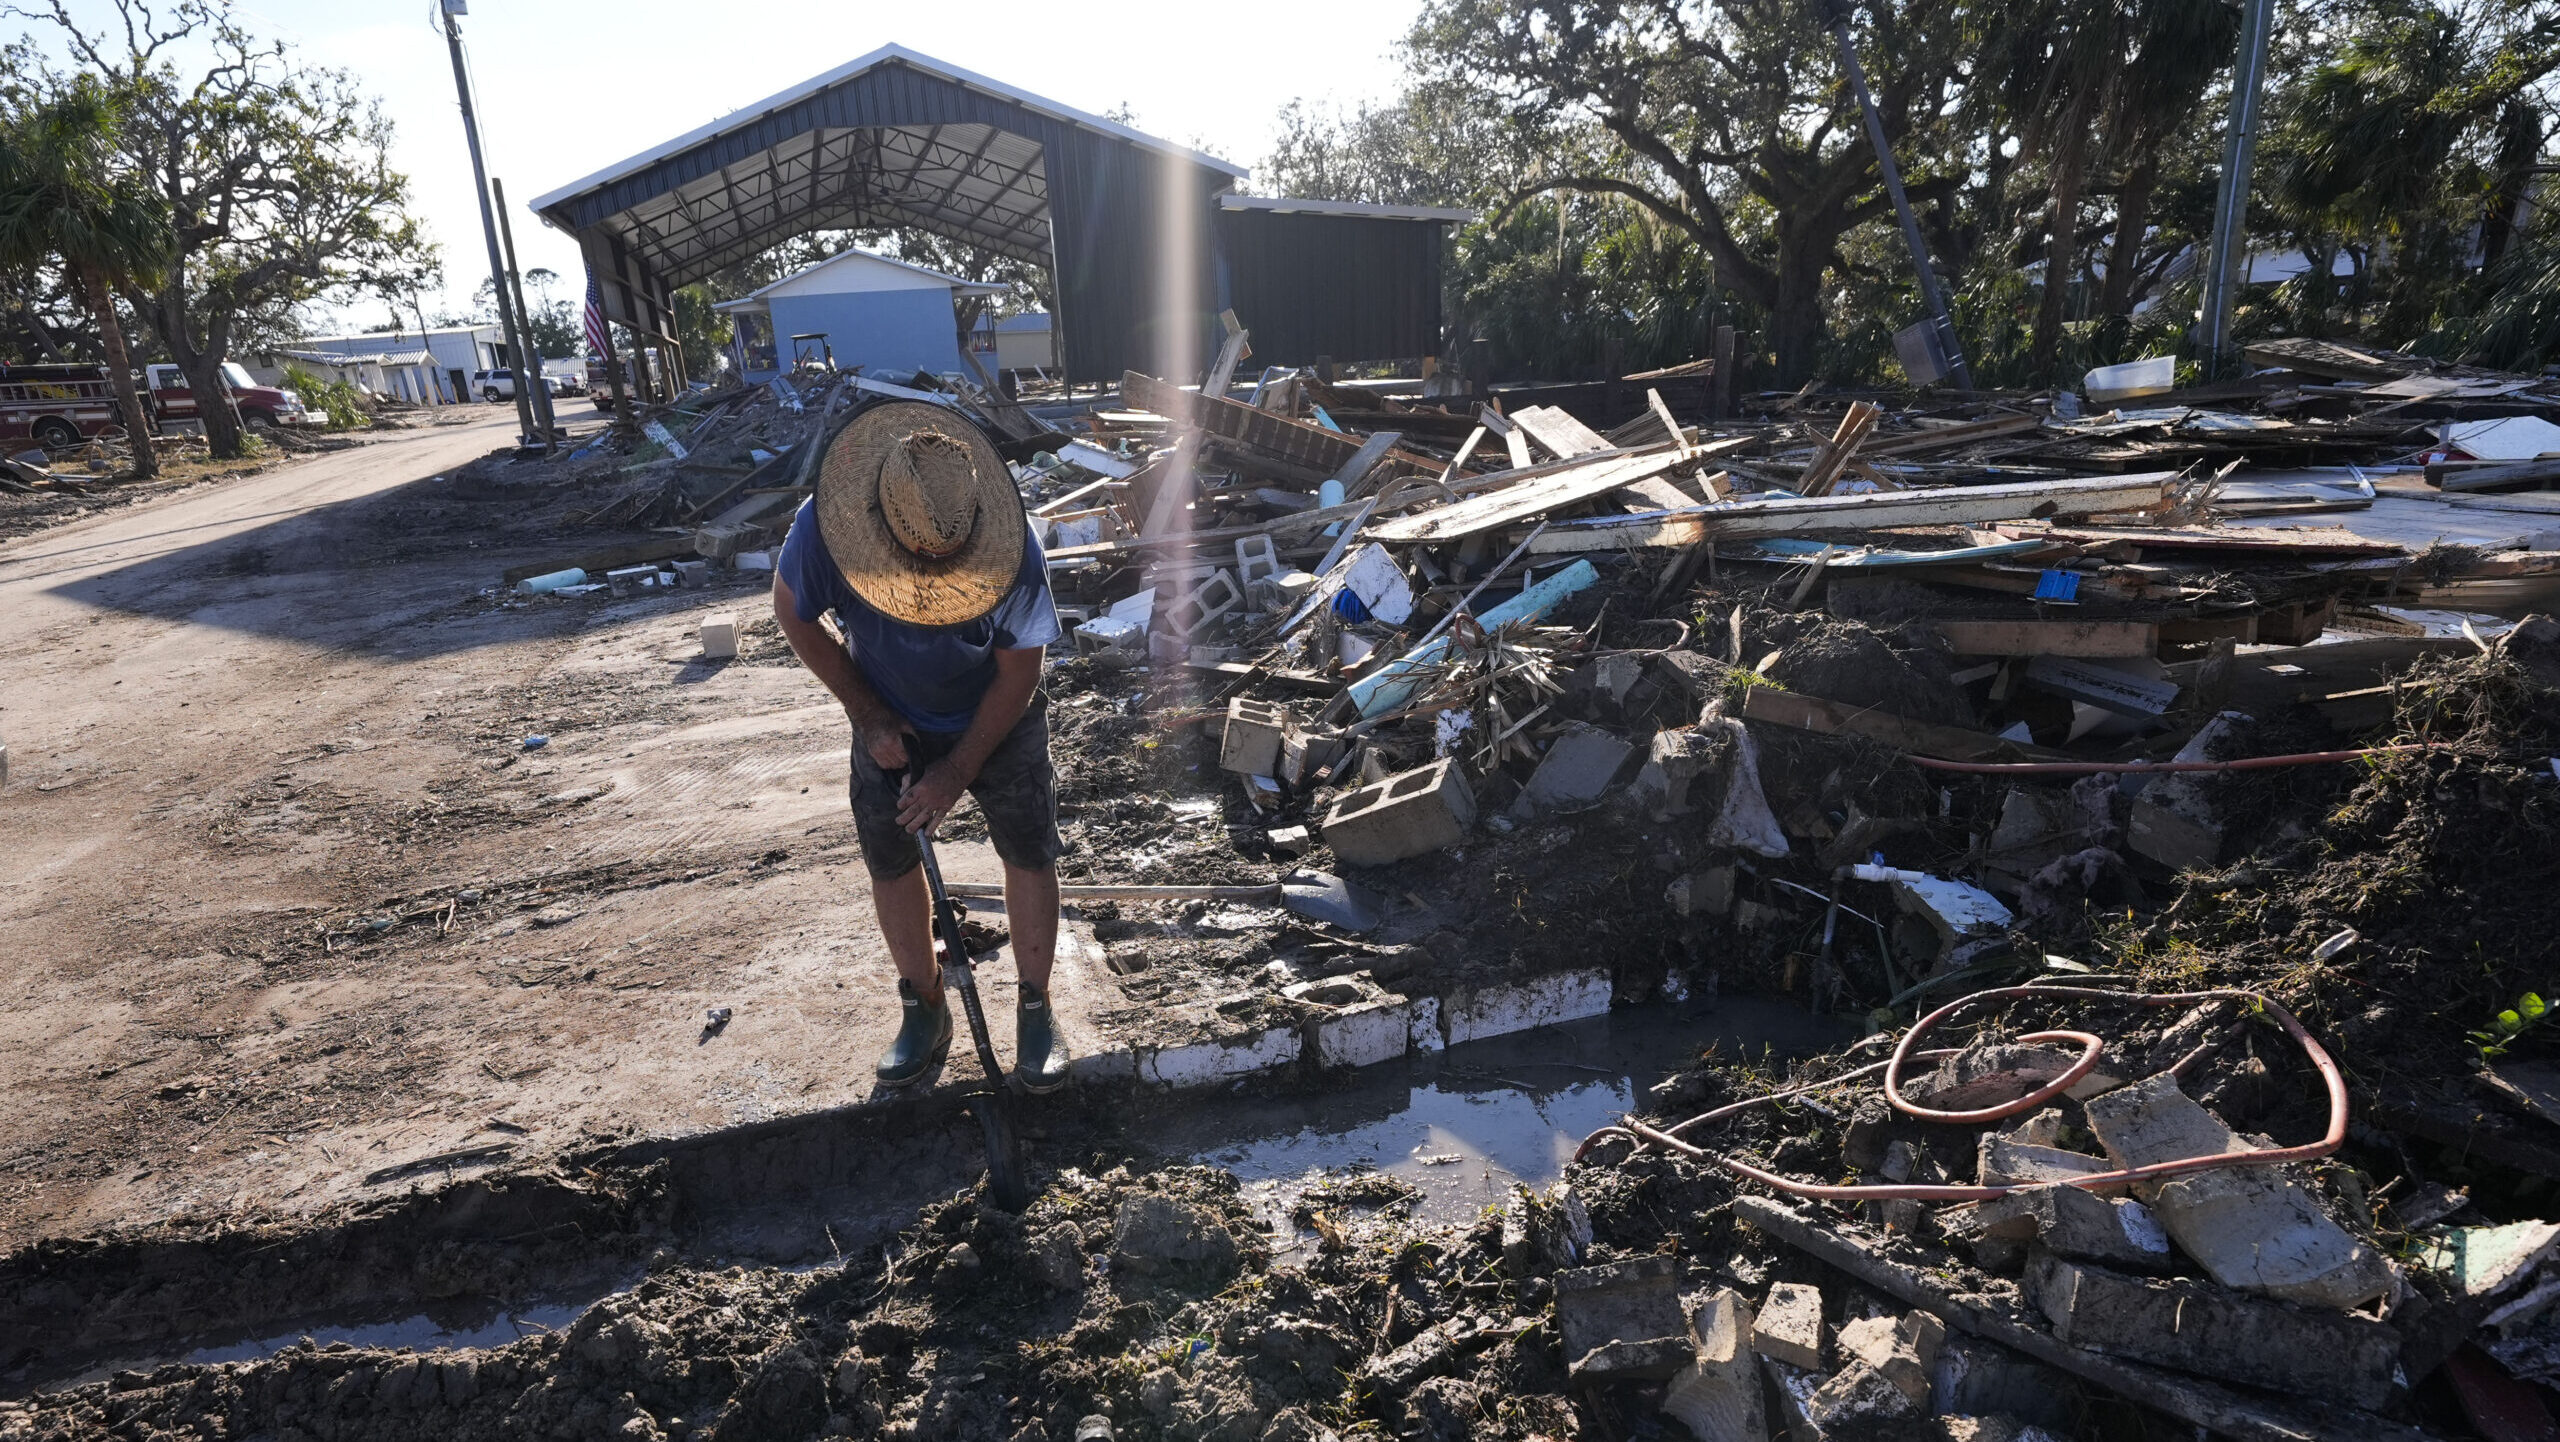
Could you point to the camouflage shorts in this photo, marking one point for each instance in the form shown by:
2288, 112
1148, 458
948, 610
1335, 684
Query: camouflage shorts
1016, 790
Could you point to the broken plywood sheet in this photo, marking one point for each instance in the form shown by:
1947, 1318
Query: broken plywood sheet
1526, 501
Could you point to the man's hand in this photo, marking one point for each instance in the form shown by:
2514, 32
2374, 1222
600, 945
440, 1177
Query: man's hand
930, 797
883, 734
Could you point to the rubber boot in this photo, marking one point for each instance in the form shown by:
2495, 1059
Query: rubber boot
1039, 1050
924, 1038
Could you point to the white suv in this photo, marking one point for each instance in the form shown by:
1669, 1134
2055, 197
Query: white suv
500, 384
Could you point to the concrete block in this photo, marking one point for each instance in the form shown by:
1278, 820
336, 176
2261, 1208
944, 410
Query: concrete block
2071, 1222
1202, 1063
1789, 1326
1860, 1394
1424, 1033
1111, 634
1673, 759
2254, 1228
1364, 1034
1206, 602
1702, 893
1623, 1322
693, 574
719, 637
753, 560
2177, 820
1986, 1076
1578, 768
2001, 1162
2205, 1329
1795, 1387
1472, 1014
1256, 561
1288, 840
1407, 814
1717, 1396
729, 541
1251, 744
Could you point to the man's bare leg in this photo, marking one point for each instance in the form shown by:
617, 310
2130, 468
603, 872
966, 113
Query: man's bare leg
905, 908
1031, 916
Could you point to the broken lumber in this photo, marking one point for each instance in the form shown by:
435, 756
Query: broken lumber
1945, 438
1812, 713
1834, 455
1946, 505
2050, 638
2195, 1400
1323, 451
612, 558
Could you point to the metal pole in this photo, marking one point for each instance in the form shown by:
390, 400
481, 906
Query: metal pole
533, 347
2225, 264
1957, 369
489, 222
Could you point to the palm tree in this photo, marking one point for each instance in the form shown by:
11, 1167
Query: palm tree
65, 196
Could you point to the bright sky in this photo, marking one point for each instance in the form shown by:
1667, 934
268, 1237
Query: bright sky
568, 87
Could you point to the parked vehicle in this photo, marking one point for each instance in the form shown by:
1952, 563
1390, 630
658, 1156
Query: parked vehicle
55, 406
500, 384
600, 377
172, 400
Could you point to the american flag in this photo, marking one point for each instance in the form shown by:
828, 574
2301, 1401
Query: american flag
599, 340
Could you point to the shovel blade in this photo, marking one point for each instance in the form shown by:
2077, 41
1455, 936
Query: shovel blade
1322, 896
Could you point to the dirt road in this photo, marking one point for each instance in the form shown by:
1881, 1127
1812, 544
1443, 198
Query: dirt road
289, 902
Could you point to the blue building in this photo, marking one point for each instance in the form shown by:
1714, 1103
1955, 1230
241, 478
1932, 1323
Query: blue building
855, 309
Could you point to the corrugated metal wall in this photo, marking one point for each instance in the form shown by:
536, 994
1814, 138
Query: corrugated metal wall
1119, 215
1354, 288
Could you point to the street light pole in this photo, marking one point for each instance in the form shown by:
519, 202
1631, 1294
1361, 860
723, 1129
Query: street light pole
489, 228
1957, 369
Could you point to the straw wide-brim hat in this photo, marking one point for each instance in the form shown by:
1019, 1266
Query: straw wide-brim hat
920, 513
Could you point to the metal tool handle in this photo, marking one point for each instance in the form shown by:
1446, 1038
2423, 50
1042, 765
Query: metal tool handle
958, 974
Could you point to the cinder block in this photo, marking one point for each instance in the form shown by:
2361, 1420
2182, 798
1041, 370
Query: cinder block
720, 638
1256, 560
1407, 814
1365, 1034
1206, 602
1251, 745
693, 573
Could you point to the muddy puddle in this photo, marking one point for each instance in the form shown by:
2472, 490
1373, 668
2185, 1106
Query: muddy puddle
1462, 1126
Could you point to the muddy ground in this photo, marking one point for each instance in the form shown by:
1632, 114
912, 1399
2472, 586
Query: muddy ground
308, 909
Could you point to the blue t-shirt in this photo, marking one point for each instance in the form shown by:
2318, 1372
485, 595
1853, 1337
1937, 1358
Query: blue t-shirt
934, 677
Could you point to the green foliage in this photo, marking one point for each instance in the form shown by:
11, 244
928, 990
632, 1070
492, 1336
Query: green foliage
2507, 1026
338, 403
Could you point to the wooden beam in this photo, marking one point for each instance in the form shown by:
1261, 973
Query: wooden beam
2050, 638
1833, 456
1944, 438
1312, 446
1834, 718
1813, 515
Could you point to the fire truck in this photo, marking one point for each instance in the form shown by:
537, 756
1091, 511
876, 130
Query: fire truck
57, 406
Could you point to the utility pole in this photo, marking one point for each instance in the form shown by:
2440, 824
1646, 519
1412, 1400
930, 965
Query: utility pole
515, 282
2226, 265
489, 227
1836, 13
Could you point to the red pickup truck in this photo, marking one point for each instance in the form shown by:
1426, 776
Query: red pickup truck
56, 406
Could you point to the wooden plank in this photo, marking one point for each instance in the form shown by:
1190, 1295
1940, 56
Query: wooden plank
1528, 500
2050, 638
1662, 412
2522, 475
1657, 493
1561, 433
1834, 455
1364, 462
1947, 438
1279, 525
1833, 718
2300, 541
1813, 515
